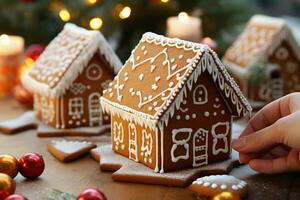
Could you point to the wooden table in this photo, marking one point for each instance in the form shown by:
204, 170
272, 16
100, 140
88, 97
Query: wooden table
76, 176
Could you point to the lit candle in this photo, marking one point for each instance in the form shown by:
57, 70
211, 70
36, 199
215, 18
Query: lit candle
184, 27
11, 51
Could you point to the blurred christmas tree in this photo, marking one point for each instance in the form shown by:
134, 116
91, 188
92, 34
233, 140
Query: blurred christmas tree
122, 21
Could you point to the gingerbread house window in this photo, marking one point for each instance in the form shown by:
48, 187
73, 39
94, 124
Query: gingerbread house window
76, 107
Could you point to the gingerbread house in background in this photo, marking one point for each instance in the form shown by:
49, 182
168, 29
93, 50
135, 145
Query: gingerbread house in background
265, 60
172, 105
68, 78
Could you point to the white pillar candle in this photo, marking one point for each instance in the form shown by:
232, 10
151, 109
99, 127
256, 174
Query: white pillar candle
184, 27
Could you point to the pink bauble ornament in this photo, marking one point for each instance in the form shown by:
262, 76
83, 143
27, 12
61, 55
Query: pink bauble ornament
16, 197
91, 194
31, 165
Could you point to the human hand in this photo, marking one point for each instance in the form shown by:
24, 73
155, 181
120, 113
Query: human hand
271, 141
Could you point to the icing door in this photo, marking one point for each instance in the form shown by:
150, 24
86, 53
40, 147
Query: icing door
95, 113
132, 142
200, 147
276, 85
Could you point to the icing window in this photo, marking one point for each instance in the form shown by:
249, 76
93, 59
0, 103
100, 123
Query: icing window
94, 72
76, 107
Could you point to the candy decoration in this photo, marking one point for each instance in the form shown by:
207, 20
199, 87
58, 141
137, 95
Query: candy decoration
226, 196
211, 43
35, 50
7, 186
31, 165
91, 194
8, 165
16, 197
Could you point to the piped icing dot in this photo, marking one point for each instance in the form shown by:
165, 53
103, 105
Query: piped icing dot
223, 187
206, 184
214, 185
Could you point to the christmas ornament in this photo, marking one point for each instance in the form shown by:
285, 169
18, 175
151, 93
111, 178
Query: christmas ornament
226, 196
91, 194
34, 51
31, 165
23, 96
16, 197
7, 186
211, 43
8, 165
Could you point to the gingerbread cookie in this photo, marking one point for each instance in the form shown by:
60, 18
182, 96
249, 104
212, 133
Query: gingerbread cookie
209, 186
26, 121
48, 131
126, 170
67, 151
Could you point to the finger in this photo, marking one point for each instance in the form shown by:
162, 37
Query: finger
278, 165
269, 115
258, 141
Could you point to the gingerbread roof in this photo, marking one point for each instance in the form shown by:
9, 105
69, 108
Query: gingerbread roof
155, 79
260, 38
65, 58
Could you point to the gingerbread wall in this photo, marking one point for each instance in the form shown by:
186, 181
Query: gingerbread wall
134, 141
286, 80
80, 106
188, 139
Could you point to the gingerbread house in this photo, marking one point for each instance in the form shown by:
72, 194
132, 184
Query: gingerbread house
265, 60
172, 105
69, 76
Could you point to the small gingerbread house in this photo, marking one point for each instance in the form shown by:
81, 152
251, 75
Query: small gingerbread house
265, 60
172, 105
69, 76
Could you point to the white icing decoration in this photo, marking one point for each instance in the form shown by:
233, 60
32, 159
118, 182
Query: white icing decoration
141, 76
94, 72
220, 136
132, 145
200, 147
154, 86
200, 95
118, 135
95, 112
206, 114
282, 53
77, 88
75, 107
182, 142
147, 143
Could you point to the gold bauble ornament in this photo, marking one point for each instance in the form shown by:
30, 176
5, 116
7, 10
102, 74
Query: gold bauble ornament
7, 186
226, 196
8, 165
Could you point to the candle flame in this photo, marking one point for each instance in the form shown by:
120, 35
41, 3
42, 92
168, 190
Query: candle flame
4, 39
183, 16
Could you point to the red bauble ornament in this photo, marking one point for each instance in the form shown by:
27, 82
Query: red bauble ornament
91, 194
7, 186
34, 51
31, 165
23, 96
211, 43
16, 197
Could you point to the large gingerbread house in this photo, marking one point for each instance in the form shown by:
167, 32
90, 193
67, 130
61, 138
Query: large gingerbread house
265, 60
172, 105
69, 76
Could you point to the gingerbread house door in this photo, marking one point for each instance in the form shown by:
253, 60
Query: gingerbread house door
276, 84
132, 142
95, 113
200, 147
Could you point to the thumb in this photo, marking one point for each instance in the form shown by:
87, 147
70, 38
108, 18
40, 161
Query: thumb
260, 140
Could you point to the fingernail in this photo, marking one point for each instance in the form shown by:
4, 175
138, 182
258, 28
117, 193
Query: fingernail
238, 143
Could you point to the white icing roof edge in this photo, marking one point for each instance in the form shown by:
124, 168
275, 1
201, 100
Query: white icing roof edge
97, 43
284, 33
233, 92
